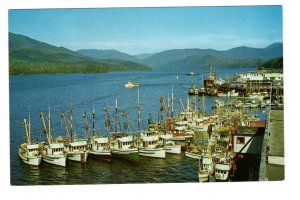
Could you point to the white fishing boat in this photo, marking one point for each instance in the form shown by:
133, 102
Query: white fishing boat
222, 169
123, 147
194, 153
53, 152
205, 169
99, 145
100, 148
170, 145
77, 149
132, 84
149, 145
28, 152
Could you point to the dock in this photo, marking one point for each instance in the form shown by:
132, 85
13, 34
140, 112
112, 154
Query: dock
272, 160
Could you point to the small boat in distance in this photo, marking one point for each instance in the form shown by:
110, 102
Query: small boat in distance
131, 84
192, 74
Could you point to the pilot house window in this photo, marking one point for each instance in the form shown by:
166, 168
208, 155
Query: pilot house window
240, 140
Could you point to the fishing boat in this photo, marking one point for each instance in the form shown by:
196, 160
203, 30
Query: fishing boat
170, 145
28, 152
149, 145
205, 169
99, 145
193, 90
131, 84
122, 146
100, 148
53, 152
222, 169
77, 148
194, 153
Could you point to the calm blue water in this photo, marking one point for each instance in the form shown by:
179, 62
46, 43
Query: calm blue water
35, 92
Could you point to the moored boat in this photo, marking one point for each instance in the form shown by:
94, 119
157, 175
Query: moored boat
170, 145
222, 170
53, 152
123, 147
205, 169
100, 148
193, 154
149, 145
28, 152
77, 148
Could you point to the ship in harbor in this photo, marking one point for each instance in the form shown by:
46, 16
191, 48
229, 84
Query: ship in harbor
54, 151
30, 152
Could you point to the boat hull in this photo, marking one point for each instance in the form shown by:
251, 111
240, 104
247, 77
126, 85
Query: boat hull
60, 160
31, 160
78, 156
203, 176
126, 154
174, 149
193, 155
153, 152
101, 155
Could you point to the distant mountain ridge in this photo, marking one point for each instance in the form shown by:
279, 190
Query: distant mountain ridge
29, 56
25, 52
235, 57
107, 54
190, 58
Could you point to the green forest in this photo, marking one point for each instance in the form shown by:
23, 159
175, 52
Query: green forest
275, 63
28, 56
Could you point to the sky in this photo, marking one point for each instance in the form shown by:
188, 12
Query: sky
149, 30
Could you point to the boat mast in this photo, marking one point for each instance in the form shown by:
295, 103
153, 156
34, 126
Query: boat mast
203, 104
139, 114
86, 125
93, 133
66, 125
71, 119
49, 124
27, 132
172, 103
107, 120
45, 127
117, 117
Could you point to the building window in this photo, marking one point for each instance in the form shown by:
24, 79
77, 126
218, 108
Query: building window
240, 140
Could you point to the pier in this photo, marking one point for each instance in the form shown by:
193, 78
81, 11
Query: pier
272, 158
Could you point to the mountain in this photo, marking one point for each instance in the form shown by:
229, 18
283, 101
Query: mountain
107, 54
235, 57
143, 56
29, 56
275, 63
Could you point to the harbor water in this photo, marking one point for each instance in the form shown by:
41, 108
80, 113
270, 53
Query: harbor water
32, 94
